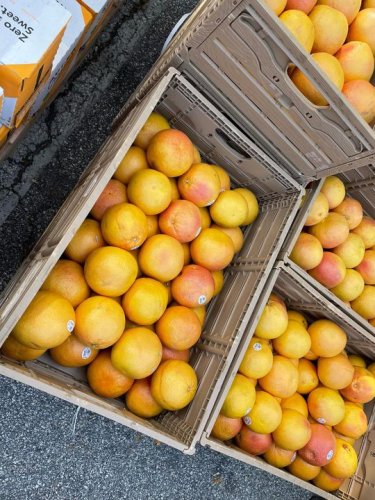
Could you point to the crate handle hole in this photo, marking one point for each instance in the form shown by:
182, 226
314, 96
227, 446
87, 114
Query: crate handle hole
230, 144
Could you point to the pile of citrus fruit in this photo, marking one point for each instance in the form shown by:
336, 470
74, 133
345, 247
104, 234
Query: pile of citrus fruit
340, 35
128, 299
337, 248
298, 397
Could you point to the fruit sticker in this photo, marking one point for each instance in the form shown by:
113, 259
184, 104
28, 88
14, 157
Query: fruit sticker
321, 420
202, 300
70, 325
86, 353
330, 455
257, 346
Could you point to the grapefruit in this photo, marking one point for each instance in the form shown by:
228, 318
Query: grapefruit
229, 209
282, 380
235, 234
145, 301
300, 26
307, 252
161, 257
331, 231
72, 352
200, 184
307, 376
113, 193
351, 251
367, 267
100, 322
253, 442
173, 354
139, 399
334, 190
294, 431
278, 457
258, 359
87, 239
226, 428
354, 424
182, 220
351, 287
362, 387
212, 249
15, 350
252, 205
326, 406
179, 328
303, 470
330, 272
137, 353
366, 230
150, 190
47, 322
327, 338
304, 5
277, 6
294, 343
194, 287
134, 160
321, 447
240, 398
174, 384
364, 304
124, 226
349, 8
273, 321
362, 28
331, 28
205, 217
361, 95
295, 402
265, 416
171, 152
327, 482
67, 280
223, 176
344, 462
336, 372
318, 210
357, 61
104, 379
110, 271
154, 124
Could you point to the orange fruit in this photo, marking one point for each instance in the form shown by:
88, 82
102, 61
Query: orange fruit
218, 277
303, 470
278, 457
240, 398
100, 322
362, 28
307, 376
223, 176
154, 124
331, 28
200, 184
179, 328
173, 354
229, 209
294, 431
134, 160
252, 205
152, 225
182, 220
125, 226
226, 428
265, 416
349, 8
354, 424
357, 61
344, 462
137, 353
258, 359
161, 257
139, 399
200, 311
73, 353
282, 380
361, 95
87, 239
174, 384
235, 234
67, 279
112, 194
300, 26
294, 343
47, 322
15, 350
327, 482
110, 271
327, 338
362, 387
145, 301
104, 379
331, 69
334, 190
150, 190
273, 321
336, 372
326, 406
212, 249
205, 217
297, 403
171, 152
194, 287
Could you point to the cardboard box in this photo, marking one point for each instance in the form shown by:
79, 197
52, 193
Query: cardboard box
100, 9
30, 34
4, 131
71, 41
24, 112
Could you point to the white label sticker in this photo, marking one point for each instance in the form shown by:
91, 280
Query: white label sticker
321, 420
257, 346
329, 454
293, 457
247, 420
86, 353
198, 231
210, 202
70, 325
202, 299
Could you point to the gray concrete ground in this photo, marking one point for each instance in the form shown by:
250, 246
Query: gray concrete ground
47, 451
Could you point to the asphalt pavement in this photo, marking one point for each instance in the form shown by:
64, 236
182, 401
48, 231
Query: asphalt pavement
48, 449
